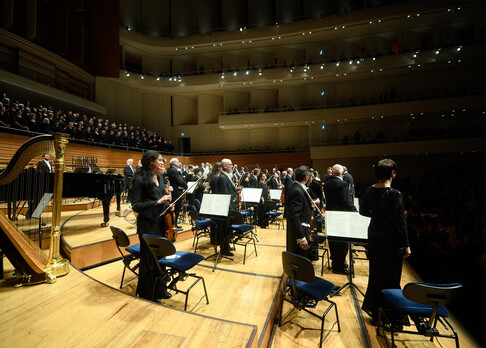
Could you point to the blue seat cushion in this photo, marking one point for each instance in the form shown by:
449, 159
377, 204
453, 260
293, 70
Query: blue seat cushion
134, 249
204, 223
318, 290
319, 239
247, 213
242, 228
403, 305
273, 213
181, 260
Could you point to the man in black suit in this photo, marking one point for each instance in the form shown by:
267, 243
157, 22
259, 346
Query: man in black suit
287, 183
338, 198
349, 179
299, 213
273, 182
328, 174
254, 178
44, 166
225, 182
178, 185
226, 187
128, 173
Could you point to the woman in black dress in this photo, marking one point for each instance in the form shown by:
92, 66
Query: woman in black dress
213, 178
149, 199
262, 206
245, 181
387, 237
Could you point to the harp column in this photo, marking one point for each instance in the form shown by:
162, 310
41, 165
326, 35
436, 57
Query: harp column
57, 266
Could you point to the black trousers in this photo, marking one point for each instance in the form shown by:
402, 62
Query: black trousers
338, 250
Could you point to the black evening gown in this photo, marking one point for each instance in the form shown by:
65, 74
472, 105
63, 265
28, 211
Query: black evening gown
387, 236
144, 199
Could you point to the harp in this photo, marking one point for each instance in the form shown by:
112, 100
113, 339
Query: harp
32, 264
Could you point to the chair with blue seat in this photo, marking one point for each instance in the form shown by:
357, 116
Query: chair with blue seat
424, 303
200, 227
304, 290
243, 233
122, 241
197, 204
274, 218
173, 265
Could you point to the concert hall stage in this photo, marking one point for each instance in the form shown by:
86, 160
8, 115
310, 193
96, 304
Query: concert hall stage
88, 309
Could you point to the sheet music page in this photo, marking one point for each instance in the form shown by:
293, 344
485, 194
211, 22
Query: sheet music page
275, 194
215, 204
251, 195
347, 224
191, 186
356, 203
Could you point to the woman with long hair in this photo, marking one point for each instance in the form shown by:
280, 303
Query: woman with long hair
213, 178
149, 200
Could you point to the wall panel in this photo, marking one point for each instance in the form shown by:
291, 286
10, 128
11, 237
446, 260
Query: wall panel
184, 110
208, 108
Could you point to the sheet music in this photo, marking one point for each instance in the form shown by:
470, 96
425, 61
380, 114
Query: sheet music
275, 194
356, 203
191, 186
347, 224
215, 204
251, 195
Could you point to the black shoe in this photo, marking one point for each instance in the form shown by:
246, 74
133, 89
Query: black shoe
227, 253
163, 294
340, 271
179, 228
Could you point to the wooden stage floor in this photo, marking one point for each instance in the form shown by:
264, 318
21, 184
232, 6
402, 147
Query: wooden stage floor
86, 309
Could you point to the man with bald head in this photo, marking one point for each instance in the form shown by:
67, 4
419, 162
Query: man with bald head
226, 186
338, 198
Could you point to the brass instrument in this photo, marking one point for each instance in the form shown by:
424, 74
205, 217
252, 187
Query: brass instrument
31, 263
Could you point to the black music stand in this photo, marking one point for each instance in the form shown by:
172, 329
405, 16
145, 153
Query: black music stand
46, 198
348, 227
251, 196
216, 207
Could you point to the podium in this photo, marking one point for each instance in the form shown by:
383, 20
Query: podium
344, 226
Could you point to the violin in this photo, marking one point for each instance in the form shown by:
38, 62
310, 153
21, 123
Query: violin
312, 230
170, 218
239, 195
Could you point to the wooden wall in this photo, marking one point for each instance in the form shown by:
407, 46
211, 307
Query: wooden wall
109, 158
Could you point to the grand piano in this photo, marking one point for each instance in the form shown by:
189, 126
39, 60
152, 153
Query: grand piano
29, 187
